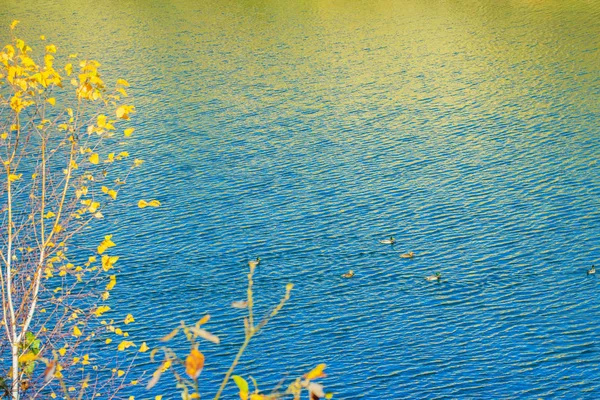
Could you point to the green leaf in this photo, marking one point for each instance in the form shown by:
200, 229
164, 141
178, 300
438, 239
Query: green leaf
241, 383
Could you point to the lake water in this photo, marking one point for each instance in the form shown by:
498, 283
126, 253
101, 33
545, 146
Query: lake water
305, 131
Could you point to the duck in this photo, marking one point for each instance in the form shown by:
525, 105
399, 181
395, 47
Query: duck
348, 274
391, 240
239, 304
435, 277
254, 263
410, 254
592, 270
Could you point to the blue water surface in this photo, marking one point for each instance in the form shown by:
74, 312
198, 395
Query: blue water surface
303, 132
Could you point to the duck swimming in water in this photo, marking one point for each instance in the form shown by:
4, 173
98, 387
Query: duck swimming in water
410, 254
391, 240
254, 263
592, 270
435, 277
348, 274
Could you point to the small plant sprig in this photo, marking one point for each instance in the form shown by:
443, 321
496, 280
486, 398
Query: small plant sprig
194, 361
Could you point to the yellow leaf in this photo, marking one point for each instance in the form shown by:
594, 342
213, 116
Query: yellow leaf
108, 341
124, 111
194, 363
128, 319
108, 262
317, 372
137, 162
69, 69
144, 348
124, 345
111, 283
101, 120
49, 214
106, 243
51, 100
151, 203
63, 350
94, 158
101, 310
42, 37
122, 82
242, 385
14, 24
203, 320
51, 49
159, 397
76, 331
14, 177
27, 357
120, 373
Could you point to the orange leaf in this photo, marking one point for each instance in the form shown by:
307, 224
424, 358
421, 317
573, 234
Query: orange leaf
194, 364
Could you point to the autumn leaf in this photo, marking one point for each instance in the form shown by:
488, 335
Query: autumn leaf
124, 345
111, 284
316, 390
51, 101
76, 331
27, 357
242, 385
143, 348
101, 310
110, 192
108, 262
203, 320
14, 24
151, 203
101, 121
128, 319
94, 158
106, 243
317, 372
204, 334
124, 111
155, 377
128, 132
194, 363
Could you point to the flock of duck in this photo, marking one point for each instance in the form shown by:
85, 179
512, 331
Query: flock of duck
410, 254
430, 278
